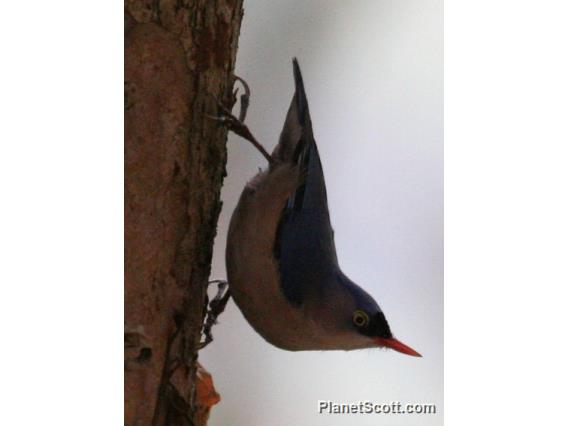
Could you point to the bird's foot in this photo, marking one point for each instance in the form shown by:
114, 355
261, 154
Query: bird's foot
237, 125
245, 98
214, 308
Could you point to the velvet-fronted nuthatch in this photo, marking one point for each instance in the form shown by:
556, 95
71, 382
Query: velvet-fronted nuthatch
282, 265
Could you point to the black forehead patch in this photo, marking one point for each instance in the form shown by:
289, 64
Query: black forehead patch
379, 326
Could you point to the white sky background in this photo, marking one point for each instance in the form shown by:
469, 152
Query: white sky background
373, 72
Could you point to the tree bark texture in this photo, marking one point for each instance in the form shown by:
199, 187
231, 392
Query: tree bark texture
179, 56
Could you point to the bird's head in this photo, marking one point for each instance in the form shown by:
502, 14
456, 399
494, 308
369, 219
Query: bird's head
362, 321
374, 326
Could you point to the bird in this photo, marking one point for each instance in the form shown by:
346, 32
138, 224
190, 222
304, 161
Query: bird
281, 260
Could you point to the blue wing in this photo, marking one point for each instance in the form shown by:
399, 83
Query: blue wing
304, 247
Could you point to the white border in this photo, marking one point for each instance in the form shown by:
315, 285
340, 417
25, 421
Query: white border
506, 212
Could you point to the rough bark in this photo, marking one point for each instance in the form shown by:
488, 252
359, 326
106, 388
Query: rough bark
179, 54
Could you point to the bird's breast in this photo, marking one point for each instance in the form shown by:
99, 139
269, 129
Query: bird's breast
252, 270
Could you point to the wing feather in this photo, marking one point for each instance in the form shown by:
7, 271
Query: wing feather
304, 246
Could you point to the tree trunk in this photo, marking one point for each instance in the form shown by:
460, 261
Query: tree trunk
179, 56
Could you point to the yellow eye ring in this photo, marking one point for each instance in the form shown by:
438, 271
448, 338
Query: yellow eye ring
360, 318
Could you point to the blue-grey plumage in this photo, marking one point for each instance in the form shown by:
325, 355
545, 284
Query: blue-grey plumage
281, 260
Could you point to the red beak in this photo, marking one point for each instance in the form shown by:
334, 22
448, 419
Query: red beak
396, 345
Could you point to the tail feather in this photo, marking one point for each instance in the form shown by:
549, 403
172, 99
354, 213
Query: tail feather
301, 99
296, 135
297, 145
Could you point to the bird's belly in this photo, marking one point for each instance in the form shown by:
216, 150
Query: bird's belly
252, 270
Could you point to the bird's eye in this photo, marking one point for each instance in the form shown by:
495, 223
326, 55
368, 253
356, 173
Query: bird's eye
360, 318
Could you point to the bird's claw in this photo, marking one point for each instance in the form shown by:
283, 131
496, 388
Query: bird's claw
214, 309
227, 116
245, 98
237, 125
228, 119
